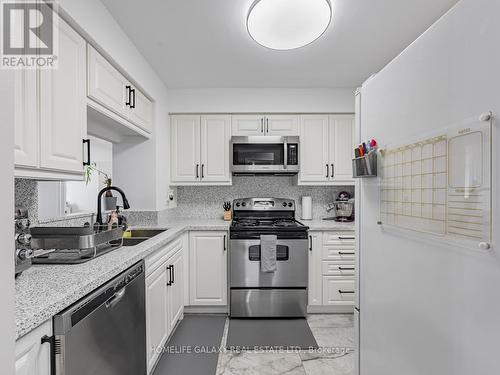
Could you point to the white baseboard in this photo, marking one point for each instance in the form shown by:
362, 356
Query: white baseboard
330, 309
205, 309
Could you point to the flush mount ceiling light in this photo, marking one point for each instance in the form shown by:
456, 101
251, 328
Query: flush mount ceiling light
288, 24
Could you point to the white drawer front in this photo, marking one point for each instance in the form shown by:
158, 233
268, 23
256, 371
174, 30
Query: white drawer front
338, 269
336, 254
338, 291
345, 239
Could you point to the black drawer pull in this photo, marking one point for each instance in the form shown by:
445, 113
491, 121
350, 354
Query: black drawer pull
346, 268
310, 243
346, 253
346, 291
347, 238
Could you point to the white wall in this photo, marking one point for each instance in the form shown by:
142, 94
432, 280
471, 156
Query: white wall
6, 217
140, 169
261, 100
426, 308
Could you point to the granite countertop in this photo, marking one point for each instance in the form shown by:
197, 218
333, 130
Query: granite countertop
44, 290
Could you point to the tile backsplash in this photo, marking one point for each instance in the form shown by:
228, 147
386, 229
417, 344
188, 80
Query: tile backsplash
206, 201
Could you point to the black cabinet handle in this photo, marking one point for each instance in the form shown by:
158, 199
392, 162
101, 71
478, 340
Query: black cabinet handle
87, 141
128, 94
346, 291
169, 268
173, 274
197, 171
346, 268
132, 105
333, 169
267, 125
327, 171
225, 238
53, 347
262, 125
346, 253
202, 172
310, 243
347, 238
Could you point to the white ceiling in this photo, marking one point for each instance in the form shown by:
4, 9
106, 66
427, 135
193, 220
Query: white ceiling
204, 43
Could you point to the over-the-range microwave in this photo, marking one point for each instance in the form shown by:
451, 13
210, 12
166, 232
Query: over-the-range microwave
264, 155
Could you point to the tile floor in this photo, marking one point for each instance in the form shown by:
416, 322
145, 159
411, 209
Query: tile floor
334, 335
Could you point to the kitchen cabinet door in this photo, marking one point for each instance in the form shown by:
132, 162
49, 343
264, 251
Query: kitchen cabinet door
315, 287
314, 163
282, 125
176, 289
106, 85
142, 112
157, 321
63, 105
26, 118
337, 290
185, 149
342, 146
215, 138
33, 357
246, 125
208, 272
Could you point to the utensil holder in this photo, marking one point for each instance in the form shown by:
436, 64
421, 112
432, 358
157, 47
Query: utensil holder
365, 166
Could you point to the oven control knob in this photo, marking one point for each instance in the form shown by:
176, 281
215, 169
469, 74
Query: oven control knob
284, 204
237, 204
24, 239
25, 254
243, 204
290, 204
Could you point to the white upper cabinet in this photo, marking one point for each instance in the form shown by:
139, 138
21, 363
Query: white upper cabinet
141, 112
26, 144
208, 271
314, 149
51, 114
106, 85
281, 125
185, 148
327, 143
246, 125
63, 113
111, 90
285, 125
215, 138
342, 137
200, 149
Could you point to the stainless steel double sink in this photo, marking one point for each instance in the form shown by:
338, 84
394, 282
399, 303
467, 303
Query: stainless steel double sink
136, 236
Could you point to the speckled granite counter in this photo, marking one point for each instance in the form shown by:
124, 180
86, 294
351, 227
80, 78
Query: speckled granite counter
44, 290
318, 224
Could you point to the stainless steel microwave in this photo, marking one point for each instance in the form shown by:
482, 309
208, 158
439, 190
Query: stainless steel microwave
264, 155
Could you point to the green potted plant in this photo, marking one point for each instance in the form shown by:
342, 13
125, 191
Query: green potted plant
109, 201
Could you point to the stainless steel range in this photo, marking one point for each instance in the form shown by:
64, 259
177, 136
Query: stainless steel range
282, 292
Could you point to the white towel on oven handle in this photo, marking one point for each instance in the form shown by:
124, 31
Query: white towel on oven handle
268, 252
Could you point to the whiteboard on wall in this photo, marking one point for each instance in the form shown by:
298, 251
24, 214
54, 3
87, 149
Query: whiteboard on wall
440, 184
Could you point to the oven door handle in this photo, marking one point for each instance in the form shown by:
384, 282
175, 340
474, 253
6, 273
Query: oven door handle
285, 152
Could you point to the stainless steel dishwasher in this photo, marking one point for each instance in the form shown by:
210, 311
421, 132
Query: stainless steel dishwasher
105, 332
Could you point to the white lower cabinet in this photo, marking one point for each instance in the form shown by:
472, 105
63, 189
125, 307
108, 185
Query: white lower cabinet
156, 313
33, 357
315, 287
208, 268
164, 297
332, 270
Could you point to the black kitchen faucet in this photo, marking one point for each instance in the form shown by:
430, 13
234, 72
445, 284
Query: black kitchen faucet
126, 205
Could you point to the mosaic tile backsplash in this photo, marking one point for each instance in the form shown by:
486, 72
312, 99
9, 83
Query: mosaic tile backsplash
206, 201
